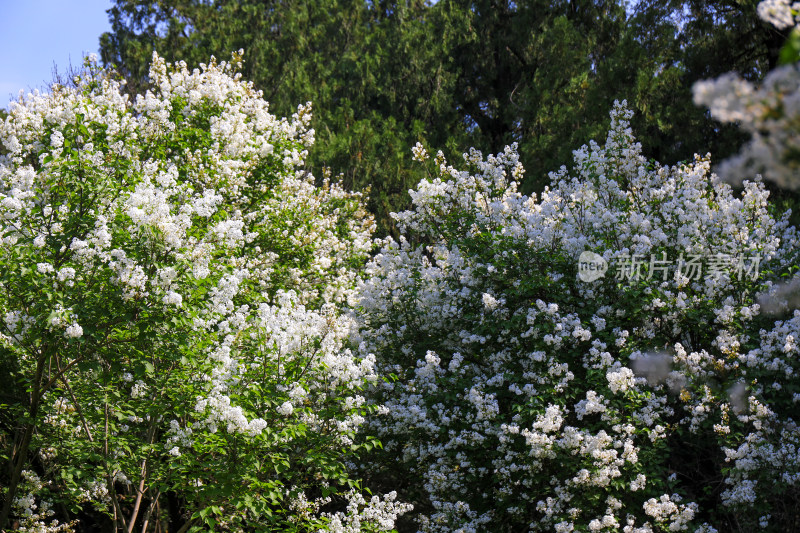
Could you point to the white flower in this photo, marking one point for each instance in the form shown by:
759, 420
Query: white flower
173, 298
639, 483
57, 139
620, 380
73, 331
139, 389
777, 12
285, 408
66, 274
419, 152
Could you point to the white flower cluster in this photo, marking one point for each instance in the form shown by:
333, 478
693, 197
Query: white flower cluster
666, 510
530, 398
780, 13
36, 513
377, 514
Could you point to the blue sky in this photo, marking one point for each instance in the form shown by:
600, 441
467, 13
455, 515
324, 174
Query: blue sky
34, 34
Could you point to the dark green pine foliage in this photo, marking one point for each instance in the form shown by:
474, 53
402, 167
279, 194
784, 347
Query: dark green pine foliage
674, 44
375, 72
383, 74
527, 72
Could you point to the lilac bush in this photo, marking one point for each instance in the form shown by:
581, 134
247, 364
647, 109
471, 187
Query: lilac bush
172, 286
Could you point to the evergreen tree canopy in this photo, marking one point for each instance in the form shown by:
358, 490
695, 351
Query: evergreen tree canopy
383, 75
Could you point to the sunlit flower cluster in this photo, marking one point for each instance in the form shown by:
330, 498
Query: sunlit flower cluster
780, 13
183, 277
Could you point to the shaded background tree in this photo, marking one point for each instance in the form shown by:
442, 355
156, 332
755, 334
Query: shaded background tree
375, 73
385, 74
675, 44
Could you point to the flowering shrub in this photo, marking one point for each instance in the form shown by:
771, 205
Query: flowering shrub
527, 396
171, 286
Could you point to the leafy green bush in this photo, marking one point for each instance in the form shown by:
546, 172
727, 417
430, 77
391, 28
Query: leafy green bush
171, 287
